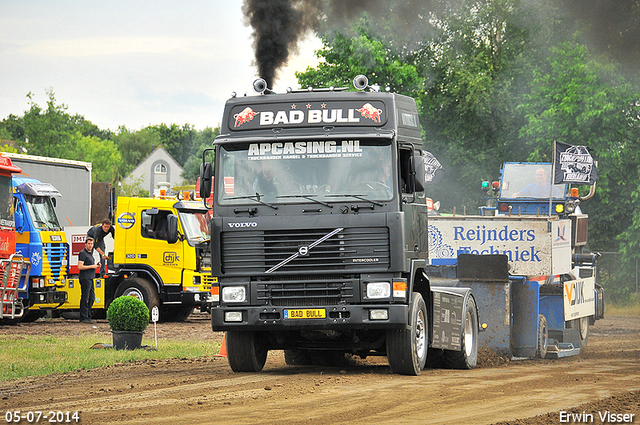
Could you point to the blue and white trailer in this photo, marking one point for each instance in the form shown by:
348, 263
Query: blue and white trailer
533, 278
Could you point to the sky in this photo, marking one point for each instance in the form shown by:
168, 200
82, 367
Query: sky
132, 63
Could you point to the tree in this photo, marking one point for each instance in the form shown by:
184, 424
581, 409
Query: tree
102, 154
134, 188
47, 131
345, 57
178, 141
204, 139
134, 147
581, 101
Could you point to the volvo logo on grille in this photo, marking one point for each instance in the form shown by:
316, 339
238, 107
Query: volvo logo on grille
303, 251
247, 224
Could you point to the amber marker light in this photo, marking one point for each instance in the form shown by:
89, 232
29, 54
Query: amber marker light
399, 289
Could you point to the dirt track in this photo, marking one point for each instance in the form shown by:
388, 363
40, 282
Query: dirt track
531, 392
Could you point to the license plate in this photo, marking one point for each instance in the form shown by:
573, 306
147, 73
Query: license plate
307, 313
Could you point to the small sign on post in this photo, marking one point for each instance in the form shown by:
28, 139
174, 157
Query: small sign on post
155, 316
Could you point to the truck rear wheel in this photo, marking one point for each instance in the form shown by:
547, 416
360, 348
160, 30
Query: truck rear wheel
141, 289
543, 337
407, 348
583, 328
467, 357
245, 351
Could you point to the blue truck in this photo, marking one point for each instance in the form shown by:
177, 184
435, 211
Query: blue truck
41, 239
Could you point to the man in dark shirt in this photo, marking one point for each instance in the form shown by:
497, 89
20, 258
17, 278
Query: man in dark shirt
87, 267
98, 233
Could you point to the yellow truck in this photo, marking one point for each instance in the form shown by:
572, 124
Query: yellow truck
160, 255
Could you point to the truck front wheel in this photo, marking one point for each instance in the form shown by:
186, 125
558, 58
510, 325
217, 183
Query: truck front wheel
245, 351
141, 289
407, 348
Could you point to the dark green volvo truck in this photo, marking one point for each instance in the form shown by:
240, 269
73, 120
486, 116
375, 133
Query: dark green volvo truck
319, 233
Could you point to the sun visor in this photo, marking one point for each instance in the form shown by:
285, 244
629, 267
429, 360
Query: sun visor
38, 189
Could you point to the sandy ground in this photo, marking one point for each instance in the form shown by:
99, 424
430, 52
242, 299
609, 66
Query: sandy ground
605, 378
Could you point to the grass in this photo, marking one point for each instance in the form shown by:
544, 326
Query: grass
628, 308
37, 355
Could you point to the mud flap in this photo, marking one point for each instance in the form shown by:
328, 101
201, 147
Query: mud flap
525, 298
449, 305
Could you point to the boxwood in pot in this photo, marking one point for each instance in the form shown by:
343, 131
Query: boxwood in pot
128, 318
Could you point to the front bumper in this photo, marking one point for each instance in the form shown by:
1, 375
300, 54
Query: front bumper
270, 318
199, 298
44, 299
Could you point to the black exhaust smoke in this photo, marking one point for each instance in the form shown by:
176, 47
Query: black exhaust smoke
277, 27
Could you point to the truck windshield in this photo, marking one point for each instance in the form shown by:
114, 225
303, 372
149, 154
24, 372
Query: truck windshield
195, 227
6, 202
42, 213
305, 171
529, 181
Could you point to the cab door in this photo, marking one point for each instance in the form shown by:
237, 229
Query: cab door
154, 249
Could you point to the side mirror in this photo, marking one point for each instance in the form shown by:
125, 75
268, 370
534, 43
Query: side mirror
205, 180
172, 228
19, 219
418, 173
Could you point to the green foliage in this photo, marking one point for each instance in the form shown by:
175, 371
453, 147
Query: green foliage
581, 101
204, 140
176, 140
134, 147
345, 57
4, 147
53, 132
132, 188
127, 313
102, 154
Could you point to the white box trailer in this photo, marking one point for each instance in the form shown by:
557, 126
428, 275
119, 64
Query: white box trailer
71, 178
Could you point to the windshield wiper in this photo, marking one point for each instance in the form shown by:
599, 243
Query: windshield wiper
256, 198
309, 197
360, 197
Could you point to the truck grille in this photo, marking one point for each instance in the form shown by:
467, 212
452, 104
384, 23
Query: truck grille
304, 291
55, 260
359, 250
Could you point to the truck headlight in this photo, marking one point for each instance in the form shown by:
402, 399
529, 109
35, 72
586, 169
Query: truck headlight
234, 294
378, 290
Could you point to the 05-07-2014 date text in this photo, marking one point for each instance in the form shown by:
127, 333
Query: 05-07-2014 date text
17, 416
